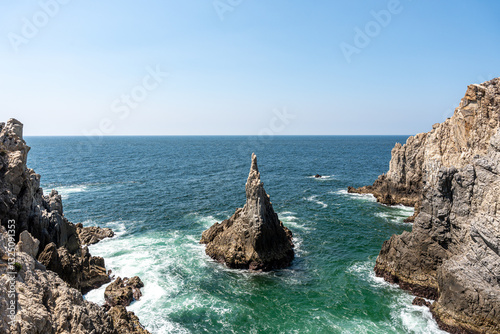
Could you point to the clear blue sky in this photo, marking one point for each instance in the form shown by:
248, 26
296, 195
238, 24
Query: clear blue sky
232, 64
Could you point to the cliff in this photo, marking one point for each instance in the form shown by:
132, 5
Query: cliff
54, 264
452, 252
254, 237
35, 300
452, 143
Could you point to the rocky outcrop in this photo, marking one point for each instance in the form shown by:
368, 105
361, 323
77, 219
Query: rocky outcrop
452, 143
81, 271
22, 201
253, 238
47, 294
92, 234
44, 303
125, 322
452, 253
123, 291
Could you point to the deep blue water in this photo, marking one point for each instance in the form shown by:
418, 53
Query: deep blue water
160, 193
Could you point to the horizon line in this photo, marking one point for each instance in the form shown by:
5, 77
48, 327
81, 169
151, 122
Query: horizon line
224, 135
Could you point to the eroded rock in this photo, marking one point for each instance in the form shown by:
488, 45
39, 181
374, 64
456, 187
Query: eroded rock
123, 291
452, 253
253, 238
47, 304
92, 234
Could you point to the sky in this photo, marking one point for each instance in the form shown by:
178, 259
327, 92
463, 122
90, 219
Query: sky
240, 67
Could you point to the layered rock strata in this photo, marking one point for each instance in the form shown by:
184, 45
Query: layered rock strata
254, 237
452, 253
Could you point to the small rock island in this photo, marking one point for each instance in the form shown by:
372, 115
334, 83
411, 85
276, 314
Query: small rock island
253, 238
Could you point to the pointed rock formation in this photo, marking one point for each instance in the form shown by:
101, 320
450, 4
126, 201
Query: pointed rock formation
253, 238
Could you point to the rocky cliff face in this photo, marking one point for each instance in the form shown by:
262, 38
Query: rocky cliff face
452, 253
34, 300
253, 238
452, 143
53, 267
22, 200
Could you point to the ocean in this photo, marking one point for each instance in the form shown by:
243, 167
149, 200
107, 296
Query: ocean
160, 193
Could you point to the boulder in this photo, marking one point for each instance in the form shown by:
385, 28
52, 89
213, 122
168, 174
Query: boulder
27, 244
123, 291
92, 234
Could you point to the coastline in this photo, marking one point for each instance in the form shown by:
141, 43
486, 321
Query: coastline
451, 176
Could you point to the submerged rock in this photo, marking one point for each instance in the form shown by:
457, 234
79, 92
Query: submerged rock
452, 254
253, 238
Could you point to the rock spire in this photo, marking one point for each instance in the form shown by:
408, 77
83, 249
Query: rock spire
254, 237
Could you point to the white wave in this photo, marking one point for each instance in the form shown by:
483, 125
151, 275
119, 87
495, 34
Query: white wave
297, 242
96, 295
66, 191
313, 199
322, 178
287, 213
415, 319
148, 256
205, 221
404, 210
397, 214
365, 270
291, 221
365, 197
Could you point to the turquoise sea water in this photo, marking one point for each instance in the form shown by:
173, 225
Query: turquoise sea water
160, 193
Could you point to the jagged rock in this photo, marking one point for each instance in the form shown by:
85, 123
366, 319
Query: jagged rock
27, 244
125, 322
123, 291
92, 234
80, 270
452, 252
452, 143
253, 238
46, 304
420, 302
22, 200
